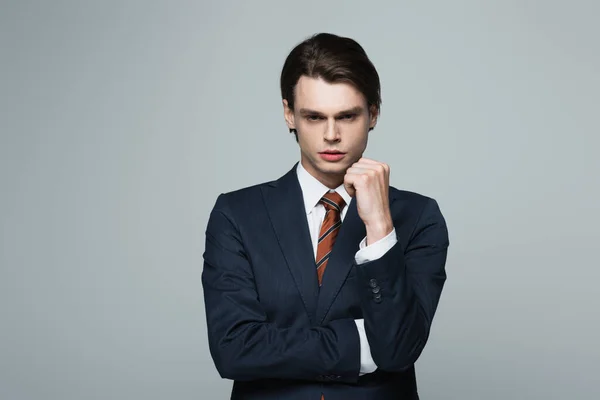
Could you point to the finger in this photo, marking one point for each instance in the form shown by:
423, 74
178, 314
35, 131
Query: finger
349, 185
358, 170
377, 166
373, 170
359, 180
369, 163
350, 189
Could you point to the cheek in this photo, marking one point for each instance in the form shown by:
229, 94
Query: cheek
305, 140
309, 133
358, 136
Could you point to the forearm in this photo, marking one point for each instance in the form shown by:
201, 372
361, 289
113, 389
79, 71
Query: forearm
261, 350
399, 292
246, 345
394, 329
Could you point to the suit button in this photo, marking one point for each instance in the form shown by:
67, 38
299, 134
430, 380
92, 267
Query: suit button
376, 289
373, 283
377, 297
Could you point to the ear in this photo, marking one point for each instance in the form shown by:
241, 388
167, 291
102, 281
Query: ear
288, 114
373, 116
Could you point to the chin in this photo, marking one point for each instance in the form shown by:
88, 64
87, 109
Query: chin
329, 168
333, 168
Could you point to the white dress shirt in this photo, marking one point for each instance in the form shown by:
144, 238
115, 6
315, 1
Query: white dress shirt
312, 191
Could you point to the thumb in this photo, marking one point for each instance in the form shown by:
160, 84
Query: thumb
349, 187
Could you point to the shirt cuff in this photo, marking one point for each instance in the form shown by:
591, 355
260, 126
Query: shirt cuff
375, 250
367, 365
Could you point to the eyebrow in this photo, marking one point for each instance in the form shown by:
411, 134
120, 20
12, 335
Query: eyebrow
353, 110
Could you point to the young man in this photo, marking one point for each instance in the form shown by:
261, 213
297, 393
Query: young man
324, 283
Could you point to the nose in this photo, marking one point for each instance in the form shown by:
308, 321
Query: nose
332, 133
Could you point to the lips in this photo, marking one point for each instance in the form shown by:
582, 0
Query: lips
332, 155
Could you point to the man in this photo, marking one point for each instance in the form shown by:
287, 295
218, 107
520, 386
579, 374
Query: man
323, 284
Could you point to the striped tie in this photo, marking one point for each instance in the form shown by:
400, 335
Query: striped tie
334, 204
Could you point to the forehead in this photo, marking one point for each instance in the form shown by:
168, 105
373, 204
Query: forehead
319, 95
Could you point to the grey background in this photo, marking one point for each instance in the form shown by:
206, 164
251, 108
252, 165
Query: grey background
122, 121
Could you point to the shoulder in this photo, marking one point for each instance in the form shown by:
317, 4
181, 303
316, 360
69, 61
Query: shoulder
232, 208
249, 198
408, 198
241, 198
418, 205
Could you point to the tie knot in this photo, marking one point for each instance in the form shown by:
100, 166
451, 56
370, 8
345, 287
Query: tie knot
333, 201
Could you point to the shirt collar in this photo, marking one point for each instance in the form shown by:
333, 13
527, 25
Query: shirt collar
313, 190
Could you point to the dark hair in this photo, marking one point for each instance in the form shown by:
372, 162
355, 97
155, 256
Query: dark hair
334, 59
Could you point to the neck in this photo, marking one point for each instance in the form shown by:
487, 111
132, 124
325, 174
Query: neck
331, 181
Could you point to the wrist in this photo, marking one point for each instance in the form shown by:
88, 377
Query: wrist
379, 229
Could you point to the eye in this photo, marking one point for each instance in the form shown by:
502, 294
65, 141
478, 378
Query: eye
348, 117
313, 117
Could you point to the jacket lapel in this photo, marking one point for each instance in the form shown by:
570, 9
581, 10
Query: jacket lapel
285, 206
341, 260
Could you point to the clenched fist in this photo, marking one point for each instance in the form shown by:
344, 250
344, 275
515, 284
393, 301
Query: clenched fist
368, 181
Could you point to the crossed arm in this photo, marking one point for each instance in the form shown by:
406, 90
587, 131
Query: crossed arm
245, 345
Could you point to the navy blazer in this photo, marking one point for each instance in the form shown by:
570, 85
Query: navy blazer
278, 335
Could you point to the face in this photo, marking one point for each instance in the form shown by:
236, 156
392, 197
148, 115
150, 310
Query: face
332, 121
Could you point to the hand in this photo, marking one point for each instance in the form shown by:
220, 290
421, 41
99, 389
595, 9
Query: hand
368, 181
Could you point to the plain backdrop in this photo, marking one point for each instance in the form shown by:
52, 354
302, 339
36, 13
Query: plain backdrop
121, 122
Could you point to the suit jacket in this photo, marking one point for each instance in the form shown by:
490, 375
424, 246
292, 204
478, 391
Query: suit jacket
278, 335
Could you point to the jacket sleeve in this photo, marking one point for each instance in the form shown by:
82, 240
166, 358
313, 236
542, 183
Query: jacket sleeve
400, 291
243, 343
